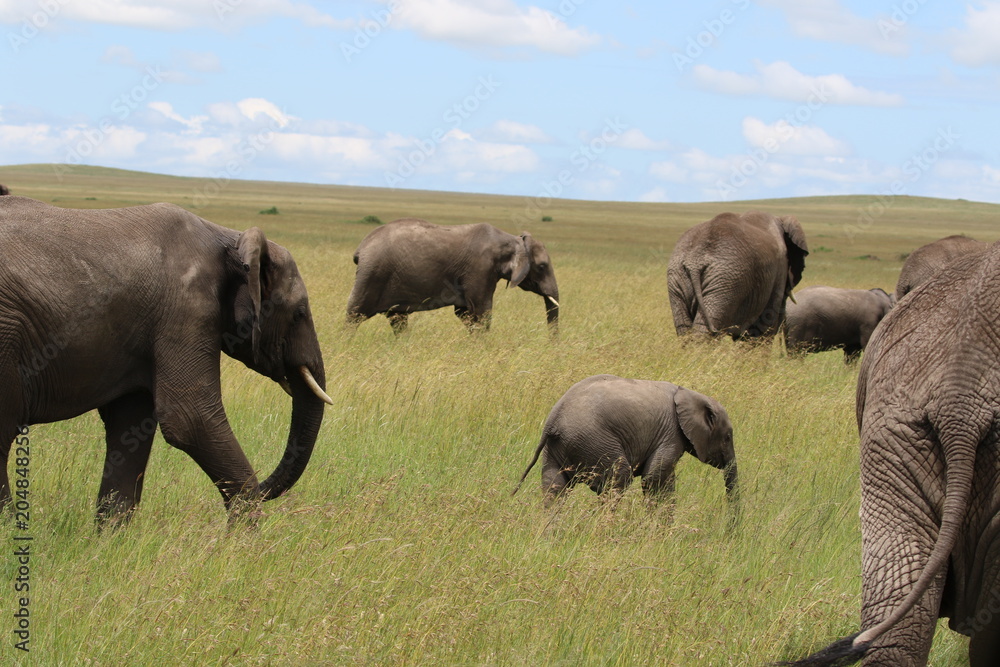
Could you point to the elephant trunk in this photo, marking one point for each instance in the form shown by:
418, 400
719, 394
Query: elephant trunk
307, 415
730, 476
552, 311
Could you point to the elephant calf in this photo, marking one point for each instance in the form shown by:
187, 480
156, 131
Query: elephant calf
928, 259
606, 430
827, 318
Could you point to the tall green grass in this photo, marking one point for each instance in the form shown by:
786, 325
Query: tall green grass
401, 544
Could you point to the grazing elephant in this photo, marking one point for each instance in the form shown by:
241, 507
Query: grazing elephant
410, 265
828, 318
605, 430
927, 399
927, 260
4, 190
731, 274
126, 311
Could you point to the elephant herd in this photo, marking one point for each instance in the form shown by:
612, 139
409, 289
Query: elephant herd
128, 311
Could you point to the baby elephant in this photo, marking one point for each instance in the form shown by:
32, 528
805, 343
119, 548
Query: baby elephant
606, 430
828, 318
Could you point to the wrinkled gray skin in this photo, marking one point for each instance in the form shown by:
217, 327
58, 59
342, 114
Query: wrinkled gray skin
4, 190
731, 274
127, 311
927, 260
605, 430
829, 318
928, 392
410, 265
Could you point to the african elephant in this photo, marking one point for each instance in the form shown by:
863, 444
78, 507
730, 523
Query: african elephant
410, 264
605, 430
927, 260
126, 311
927, 398
827, 318
731, 274
4, 190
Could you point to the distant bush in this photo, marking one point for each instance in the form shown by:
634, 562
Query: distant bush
270, 211
546, 218
368, 220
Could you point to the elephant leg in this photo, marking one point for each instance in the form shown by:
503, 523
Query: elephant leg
984, 645
896, 542
472, 320
851, 354
11, 403
192, 419
614, 481
130, 424
555, 477
398, 322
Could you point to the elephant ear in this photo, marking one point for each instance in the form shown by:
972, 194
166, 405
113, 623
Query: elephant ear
515, 267
796, 246
251, 248
697, 419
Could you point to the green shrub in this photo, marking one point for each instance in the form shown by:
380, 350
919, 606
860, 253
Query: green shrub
270, 211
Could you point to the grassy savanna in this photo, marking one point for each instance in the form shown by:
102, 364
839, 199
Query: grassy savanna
401, 544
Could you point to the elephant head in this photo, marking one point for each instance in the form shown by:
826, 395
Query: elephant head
709, 434
270, 329
797, 248
531, 270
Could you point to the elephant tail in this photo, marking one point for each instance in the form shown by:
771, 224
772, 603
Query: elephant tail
534, 459
694, 277
960, 452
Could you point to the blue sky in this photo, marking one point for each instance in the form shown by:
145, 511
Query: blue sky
587, 99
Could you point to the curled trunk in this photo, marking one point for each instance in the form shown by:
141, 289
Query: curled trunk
307, 416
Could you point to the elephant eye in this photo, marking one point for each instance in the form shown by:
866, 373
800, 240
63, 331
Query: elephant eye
543, 266
299, 315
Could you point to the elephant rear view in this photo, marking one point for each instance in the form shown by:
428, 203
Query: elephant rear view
828, 318
605, 430
410, 265
128, 311
927, 260
731, 274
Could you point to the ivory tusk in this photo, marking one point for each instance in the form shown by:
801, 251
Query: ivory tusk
554, 302
283, 383
311, 381
792, 297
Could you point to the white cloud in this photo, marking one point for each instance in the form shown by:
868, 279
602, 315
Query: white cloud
795, 140
512, 131
194, 124
782, 81
460, 151
636, 139
235, 114
174, 14
976, 44
492, 23
668, 171
829, 21
657, 194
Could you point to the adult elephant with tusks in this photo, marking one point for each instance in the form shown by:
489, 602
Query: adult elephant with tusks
410, 265
128, 311
732, 274
927, 411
